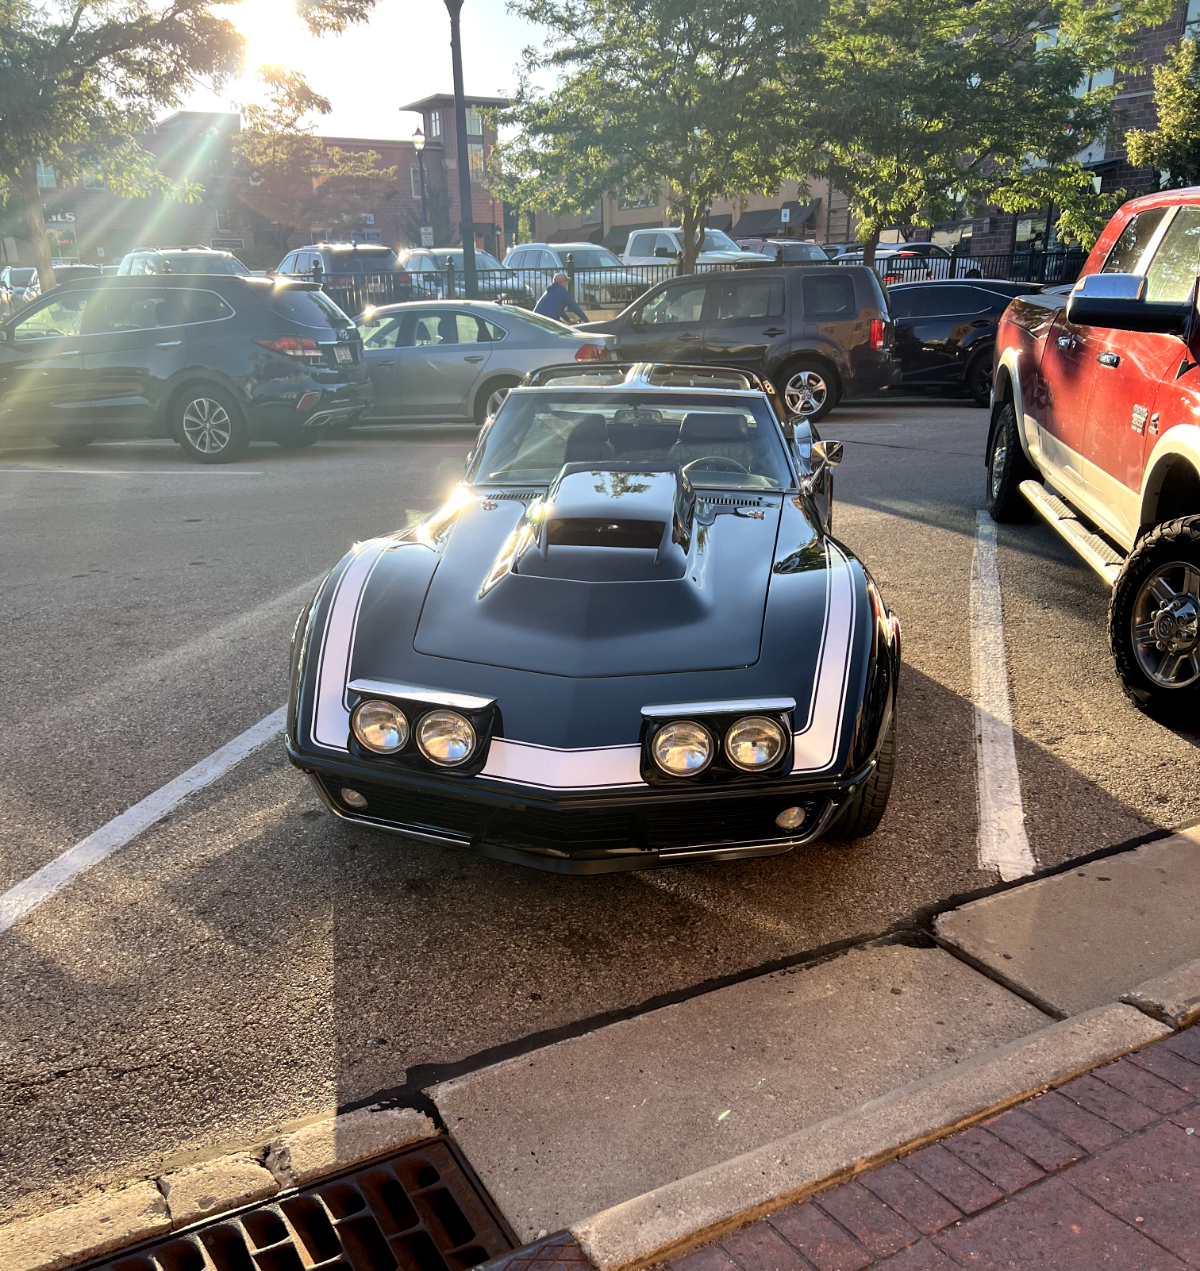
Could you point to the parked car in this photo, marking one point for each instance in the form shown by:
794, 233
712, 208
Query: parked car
210, 361
893, 264
431, 272
14, 279
447, 359
354, 275
180, 260
785, 251
656, 246
62, 273
820, 334
1097, 395
946, 332
635, 640
599, 276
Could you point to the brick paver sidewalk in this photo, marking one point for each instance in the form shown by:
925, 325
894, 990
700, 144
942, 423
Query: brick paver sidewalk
1102, 1173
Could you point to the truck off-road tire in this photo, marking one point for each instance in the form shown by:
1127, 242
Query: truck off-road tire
1154, 623
491, 397
977, 378
1007, 467
208, 425
808, 388
864, 812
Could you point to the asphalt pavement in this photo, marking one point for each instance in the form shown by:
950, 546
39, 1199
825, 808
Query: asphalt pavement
250, 961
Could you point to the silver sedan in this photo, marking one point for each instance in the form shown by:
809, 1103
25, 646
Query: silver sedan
457, 359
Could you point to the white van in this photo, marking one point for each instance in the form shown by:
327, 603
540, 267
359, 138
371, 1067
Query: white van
659, 246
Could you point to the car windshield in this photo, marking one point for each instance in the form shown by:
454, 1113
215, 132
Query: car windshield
21, 277
718, 440
483, 260
200, 264
370, 261
589, 257
800, 251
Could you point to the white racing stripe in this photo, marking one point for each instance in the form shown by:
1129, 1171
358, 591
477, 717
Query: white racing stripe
815, 745
1003, 845
40, 886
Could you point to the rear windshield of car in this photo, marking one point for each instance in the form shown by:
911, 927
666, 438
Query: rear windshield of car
483, 260
725, 442
362, 262
589, 257
307, 308
197, 264
800, 251
21, 277
543, 323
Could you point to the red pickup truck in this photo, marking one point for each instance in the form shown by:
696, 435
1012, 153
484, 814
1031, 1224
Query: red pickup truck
1095, 426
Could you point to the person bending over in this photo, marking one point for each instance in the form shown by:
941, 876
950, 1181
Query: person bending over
557, 300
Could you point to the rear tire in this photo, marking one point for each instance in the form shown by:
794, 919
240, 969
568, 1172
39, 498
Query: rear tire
862, 815
1007, 467
808, 388
977, 378
208, 425
491, 396
1153, 622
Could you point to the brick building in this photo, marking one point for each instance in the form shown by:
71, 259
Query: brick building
87, 222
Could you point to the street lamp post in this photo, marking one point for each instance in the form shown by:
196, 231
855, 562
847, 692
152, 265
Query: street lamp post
466, 207
418, 140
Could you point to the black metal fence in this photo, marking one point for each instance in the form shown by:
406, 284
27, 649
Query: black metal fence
616, 287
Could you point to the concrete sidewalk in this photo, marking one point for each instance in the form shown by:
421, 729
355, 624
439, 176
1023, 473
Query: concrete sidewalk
1104, 1171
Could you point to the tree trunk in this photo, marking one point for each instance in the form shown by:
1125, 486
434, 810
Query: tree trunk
869, 247
31, 196
693, 233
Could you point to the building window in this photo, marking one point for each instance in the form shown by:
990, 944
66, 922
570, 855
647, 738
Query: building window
644, 198
415, 173
435, 124
45, 176
93, 181
1191, 21
475, 159
224, 221
474, 122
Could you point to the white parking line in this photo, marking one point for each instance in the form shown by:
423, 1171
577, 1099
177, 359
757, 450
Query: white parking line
40, 886
1003, 845
134, 472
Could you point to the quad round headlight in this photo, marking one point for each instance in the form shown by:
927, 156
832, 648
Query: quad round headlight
379, 726
682, 748
446, 738
754, 743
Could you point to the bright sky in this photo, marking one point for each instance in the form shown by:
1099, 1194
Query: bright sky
402, 55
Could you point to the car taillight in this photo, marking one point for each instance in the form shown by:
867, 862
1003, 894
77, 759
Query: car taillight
294, 346
339, 280
878, 333
403, 275
591, 353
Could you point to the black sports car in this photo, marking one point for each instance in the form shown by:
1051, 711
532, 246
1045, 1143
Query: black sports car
627, 639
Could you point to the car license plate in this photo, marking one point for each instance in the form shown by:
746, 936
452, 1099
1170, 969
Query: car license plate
341, 353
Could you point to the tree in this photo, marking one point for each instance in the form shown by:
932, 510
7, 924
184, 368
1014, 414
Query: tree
286, 174
912, 107
690, 94
80, 79
1172, 148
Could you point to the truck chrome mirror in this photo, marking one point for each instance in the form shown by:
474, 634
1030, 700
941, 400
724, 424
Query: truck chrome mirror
1111, 287
1117, 302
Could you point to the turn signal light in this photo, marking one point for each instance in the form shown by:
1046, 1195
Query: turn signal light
294, 346
878, 334
591, 353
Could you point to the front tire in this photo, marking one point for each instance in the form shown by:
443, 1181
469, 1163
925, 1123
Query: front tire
491, 397
978, 377
208, 425
1154, 623
863, 814
809, 389
1007, 467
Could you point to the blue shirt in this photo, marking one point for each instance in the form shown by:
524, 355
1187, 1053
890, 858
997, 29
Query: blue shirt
555, 301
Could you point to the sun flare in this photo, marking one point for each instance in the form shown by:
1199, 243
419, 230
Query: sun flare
275, 35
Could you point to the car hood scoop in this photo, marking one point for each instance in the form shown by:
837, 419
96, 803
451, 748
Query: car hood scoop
612, 573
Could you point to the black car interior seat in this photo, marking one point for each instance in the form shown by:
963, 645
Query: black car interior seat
705, 433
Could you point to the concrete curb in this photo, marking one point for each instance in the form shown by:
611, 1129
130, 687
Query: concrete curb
681, 1215
1174, 998
146, 1208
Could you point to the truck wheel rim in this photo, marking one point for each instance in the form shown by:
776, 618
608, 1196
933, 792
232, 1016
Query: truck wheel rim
999, 454
1166, 625
806, 392
207, 426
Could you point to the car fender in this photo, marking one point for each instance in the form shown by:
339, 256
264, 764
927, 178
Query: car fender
823, 351
192, 375
1178, 444
1008, 376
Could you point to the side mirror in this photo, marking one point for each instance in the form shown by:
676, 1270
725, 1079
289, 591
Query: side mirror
822, 456
1115, 302
662, 253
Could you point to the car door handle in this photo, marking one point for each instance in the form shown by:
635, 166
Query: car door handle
168, 344
474, 357
774, 331
68, 353
1065, 341
1109, 359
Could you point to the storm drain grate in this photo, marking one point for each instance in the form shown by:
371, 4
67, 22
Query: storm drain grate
418, 1210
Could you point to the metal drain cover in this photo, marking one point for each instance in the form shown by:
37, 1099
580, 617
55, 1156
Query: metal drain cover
419, 1209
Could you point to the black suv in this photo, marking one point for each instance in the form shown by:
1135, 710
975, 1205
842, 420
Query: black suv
208, 360
820, 334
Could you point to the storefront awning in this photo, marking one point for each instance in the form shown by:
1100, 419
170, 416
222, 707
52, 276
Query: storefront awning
618, 235
763, 222
581, 234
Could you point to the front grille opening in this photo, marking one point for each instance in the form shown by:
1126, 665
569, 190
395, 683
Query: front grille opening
580, 532
417, 1210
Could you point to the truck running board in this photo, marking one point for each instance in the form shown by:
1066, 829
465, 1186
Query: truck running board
1098, 552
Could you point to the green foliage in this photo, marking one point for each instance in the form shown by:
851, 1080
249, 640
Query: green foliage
692, 94
79, 79
287, 176
918, 105
1173, 148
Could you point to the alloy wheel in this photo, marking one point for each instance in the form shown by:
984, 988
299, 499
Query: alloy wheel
1166, 625
495, 401
207, 426
999, 454
805, 392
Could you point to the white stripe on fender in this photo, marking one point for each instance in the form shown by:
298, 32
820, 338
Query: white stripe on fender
599, 768
331, 719
1003, 845
816, 743
26, 896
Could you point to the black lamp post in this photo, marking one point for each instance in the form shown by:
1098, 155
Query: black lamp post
466, 203
418, 140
